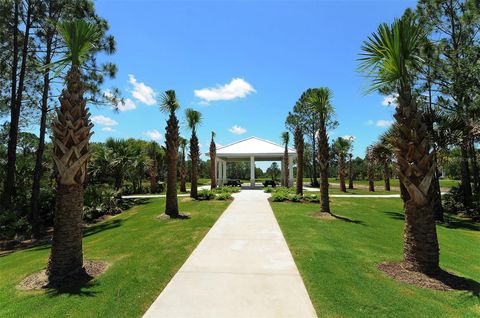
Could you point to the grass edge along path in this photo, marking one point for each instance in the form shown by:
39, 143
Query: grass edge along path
338, 260
143, 252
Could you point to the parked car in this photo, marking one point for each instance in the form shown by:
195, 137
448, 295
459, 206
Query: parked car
270, 183
234, 183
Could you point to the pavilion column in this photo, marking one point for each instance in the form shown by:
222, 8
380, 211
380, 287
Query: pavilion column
217, 173
282, 173
290, 171
252, 171
224, 172
220, 172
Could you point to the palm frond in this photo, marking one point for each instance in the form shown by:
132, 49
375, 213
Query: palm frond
169, 102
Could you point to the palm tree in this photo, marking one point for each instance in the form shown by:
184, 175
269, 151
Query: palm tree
299, 147
369, 158
213, 164
194, 118
391, 57
120, 156
383, 153
350, 171
170, 105
183, 168
286, 140
320, 103
341, 148
71, 136
153, 151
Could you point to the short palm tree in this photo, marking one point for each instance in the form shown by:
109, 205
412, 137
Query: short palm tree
213, 163
370, 159
286, 140
341, 148
299, 147
391, 58
320, 103
170, 105
383, 154
194, 118
350, 171
120, 157
183, 167
71, 135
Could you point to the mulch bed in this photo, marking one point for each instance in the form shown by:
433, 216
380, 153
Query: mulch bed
324, 216
443, 280
181, 216
39, 280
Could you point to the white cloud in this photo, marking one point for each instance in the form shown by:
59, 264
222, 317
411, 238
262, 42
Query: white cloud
384, 123
237, 88
108, 129
127, 104
349, 137
153, 134
103, 120
237, 130
390, 100
142, 92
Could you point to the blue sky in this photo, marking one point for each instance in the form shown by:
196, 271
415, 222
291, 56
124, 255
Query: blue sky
242, 64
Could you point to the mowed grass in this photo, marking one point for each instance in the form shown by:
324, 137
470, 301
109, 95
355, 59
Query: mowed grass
338, 259
332, 190
444, 183
144, 254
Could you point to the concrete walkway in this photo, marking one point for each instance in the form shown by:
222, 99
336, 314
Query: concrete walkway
242, 268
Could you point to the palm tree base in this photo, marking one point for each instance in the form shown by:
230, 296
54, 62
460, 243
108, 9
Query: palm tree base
181, 216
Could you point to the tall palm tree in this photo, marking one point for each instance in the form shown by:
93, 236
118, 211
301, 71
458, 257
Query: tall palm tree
299, 147
320, 103
369, 158
391, 58
183, 168
194, 118
286, 140
71, 136
213, 164
341, 148
170, 105
350, 171
383, 153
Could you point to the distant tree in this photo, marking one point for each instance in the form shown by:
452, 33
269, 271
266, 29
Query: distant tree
194, 118
273, 170
299, 147
170, 105
370, 159
320, 104
341, 147
286, 161
213, 163
350, 171
383, 154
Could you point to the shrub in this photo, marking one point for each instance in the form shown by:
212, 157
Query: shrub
453, 203
268, 189
100, 201
295, 197
226, 190
224, 196
312, 198
206, 194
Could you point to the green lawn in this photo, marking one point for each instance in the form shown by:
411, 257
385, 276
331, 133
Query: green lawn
144, 254
337, 260
444, 183
332, 190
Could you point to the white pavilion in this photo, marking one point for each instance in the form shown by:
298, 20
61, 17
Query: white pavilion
252, 149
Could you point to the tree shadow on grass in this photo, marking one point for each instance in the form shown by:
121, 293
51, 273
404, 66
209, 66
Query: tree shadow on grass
454, 222
345, 219
395, 215
80, 287
104, 226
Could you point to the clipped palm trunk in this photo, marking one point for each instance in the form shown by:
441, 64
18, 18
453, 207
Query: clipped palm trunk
341, 173
386, 175
285, 168
172, 139
299, 146
416, 171
350, 172
370, 174
465, 175
194, 156
71, 135
183, 173
213, 165
323, 165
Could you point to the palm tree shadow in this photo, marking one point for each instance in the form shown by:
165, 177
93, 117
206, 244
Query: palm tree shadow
78, 286
395, 215
345, 219
104, 226
453, 222
458, 283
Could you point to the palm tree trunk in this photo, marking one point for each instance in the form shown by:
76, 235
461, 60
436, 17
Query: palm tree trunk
386, 175
416, 172
475, 170
66, 257
194, 155
172, 138
437, 196
341, 173
314, 162
285, 169
370, 175
183, 174
350, 173
213, 164
323, 164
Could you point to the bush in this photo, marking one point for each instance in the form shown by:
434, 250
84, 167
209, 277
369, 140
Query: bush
226, 190
206, 194
268, 189
312, 198
453, 203
295, 197
99, 202
224, 196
